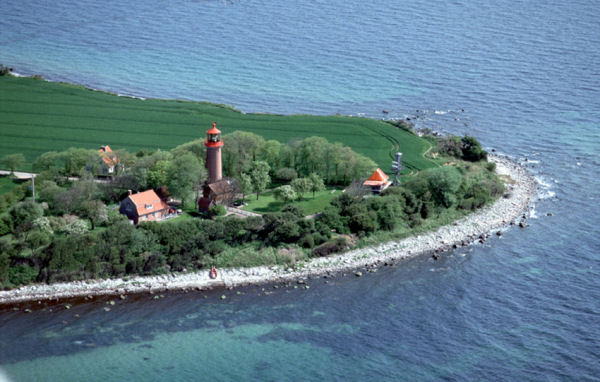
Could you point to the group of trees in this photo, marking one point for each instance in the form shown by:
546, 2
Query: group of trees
150, 248
298, 187
253, 162
333, 162
181, 170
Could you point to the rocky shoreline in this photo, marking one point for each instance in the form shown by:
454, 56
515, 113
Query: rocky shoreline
508, 210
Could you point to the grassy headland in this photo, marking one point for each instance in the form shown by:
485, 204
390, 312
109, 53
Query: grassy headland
37, 116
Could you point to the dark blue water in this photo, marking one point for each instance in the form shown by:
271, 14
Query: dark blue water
523, 76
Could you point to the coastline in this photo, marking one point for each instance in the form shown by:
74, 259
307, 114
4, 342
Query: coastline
476, 226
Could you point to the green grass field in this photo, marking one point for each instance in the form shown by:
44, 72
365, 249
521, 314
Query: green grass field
38, 116
7, 184
267, 203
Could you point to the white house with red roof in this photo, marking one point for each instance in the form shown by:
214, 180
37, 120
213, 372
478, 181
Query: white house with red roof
145, 206
377, 182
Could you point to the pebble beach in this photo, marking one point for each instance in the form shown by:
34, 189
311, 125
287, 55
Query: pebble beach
509, 210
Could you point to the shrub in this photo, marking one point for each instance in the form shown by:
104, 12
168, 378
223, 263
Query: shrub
306, 241
22, 274
451, 146
6, 225
217, 210
471, 149
331, 218
4, 70
333, 246
444, 182
294, 210
363, 222
466, 204
286, 174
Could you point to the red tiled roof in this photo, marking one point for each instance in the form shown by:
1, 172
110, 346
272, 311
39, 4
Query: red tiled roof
378, 178
108, 156
222, 186
143, 200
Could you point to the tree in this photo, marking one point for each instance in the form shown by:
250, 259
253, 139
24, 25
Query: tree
94, 210
150, 170
316, 183
356, 189
157, 175
311, 155
23, 215
47, 191
75, 160
245, 184
125, 160
36, 239
270, 153
259, 172
50, 161
243, 148
197, 148
332, 158
285, 193
301, 185
13, 161
183, 174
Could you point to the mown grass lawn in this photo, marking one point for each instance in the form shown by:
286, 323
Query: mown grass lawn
38, 116
267, 203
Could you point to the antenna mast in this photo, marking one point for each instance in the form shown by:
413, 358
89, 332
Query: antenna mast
397, 167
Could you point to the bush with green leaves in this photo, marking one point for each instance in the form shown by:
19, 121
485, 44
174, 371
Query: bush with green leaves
336, 245
217, 210
286, 174
472, 150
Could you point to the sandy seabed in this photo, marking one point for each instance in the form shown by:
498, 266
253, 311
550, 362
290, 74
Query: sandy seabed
508, 210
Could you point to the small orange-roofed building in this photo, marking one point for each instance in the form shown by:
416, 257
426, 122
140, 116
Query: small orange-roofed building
377, 182
109, 159
145, 206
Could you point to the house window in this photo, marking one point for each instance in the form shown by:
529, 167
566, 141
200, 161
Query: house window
144, 217
148, 206
155, 214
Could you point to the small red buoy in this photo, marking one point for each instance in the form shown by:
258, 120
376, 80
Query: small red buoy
213, 272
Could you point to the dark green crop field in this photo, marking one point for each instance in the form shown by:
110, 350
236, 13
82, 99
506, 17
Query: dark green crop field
38, 116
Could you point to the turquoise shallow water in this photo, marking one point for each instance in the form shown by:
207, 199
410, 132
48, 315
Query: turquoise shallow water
521, 75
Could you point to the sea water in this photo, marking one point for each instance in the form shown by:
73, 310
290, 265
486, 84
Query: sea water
522, 76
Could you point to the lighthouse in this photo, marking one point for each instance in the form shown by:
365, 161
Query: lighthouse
216, 189
213, 154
